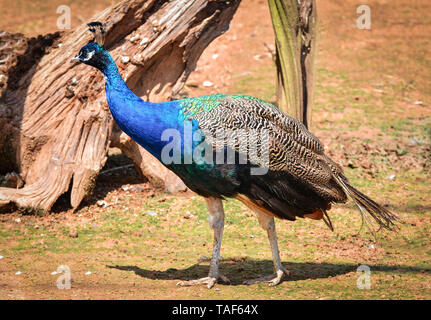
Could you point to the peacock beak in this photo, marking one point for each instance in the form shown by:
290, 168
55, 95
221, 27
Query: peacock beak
75, 58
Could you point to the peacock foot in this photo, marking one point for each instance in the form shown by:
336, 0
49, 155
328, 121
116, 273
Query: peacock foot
273, 281
209, 281
208, 259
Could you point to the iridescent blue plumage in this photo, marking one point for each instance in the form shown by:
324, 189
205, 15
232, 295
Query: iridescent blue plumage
146, 123
143, 121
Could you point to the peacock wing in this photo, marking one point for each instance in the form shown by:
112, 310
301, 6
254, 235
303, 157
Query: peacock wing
295, 157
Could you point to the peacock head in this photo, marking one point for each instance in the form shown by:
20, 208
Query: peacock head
94, 54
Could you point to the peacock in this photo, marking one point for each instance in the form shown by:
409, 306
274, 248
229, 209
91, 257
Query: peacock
281, 171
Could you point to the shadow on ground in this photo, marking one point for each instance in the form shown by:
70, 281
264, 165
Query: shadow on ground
240, 270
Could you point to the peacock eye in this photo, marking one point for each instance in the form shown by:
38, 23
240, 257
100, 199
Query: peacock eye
85, 56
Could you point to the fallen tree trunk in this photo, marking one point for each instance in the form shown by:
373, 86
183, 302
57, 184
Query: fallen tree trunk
55, 125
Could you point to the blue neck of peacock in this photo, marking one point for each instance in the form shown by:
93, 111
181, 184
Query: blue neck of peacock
112, 75
143, 121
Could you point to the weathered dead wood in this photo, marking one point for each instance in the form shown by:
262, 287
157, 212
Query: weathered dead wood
55, 125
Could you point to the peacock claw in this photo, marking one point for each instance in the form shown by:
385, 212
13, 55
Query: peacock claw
209, 281
273, 281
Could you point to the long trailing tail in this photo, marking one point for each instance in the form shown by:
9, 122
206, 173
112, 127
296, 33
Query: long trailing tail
368, 207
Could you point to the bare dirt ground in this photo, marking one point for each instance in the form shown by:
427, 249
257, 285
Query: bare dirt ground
373, 112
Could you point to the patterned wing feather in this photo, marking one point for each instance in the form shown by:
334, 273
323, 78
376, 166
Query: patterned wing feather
300, 174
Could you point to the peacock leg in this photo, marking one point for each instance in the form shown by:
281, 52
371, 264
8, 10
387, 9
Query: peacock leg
267, 223
216, 220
